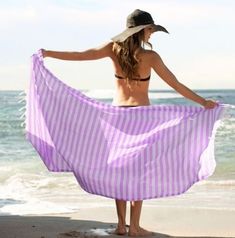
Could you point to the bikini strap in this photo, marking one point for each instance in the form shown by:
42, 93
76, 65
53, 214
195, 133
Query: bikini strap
144, 79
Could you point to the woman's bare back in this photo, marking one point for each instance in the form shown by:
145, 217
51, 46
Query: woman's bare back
138, 94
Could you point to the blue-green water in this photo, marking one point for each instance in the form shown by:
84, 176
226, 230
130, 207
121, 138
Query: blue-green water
26, 187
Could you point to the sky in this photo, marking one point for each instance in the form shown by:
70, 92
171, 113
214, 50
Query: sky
199, 50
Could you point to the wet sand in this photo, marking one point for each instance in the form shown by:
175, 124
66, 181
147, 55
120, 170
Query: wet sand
101, 222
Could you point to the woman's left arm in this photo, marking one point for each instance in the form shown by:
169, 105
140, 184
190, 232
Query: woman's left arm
162, 70
91, 54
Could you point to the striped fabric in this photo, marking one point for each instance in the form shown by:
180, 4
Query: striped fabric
132, 153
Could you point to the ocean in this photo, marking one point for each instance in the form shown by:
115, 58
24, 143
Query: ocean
27, 187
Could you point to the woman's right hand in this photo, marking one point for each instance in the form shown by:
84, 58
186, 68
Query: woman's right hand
210, 104
44, 53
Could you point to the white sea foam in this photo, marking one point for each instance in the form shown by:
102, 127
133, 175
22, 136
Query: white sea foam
34, 206
39, 194
34, 190
3, 152
228, 126
28, 193
101, 232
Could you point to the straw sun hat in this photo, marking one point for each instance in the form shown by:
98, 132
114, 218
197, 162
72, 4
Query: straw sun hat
135, 22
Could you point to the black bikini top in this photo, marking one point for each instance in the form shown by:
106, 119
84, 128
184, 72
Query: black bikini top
144, 79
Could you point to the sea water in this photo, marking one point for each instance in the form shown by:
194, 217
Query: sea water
27, 187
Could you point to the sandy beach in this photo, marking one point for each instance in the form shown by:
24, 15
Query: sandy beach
100, 222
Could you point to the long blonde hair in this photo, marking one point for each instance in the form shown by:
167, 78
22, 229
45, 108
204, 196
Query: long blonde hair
126, 53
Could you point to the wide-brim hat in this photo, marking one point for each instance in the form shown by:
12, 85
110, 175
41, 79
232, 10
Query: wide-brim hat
135, 22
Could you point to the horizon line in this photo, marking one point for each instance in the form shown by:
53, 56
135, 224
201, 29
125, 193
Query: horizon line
201, 89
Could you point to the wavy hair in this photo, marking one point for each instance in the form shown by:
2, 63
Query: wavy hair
126, 53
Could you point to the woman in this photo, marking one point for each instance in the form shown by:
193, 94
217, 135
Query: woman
132, 66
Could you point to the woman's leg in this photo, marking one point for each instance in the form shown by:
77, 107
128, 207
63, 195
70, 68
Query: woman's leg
135, 229
121, 212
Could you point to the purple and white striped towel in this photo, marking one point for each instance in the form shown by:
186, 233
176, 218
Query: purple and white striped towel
133, 153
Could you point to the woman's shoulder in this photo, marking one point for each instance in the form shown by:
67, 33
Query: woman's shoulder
107, 45
148, 54
106, 49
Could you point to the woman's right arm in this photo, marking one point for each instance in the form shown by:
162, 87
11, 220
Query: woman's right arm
91, 54
161, 69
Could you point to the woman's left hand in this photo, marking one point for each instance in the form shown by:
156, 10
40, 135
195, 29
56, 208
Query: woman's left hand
210, 104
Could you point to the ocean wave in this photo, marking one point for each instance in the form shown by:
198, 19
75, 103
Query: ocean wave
42, 193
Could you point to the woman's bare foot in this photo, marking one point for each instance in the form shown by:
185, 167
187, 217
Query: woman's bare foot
139, 232
120, 230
